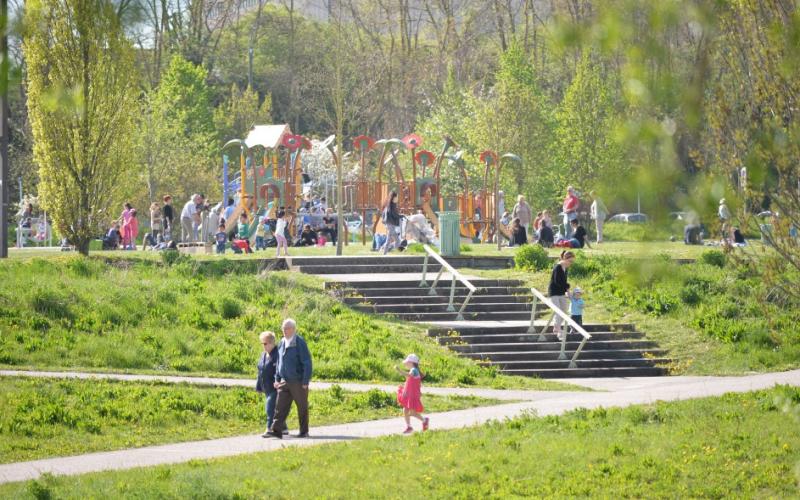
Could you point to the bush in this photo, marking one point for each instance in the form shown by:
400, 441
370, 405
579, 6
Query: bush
532, 258
230, 308
713, 258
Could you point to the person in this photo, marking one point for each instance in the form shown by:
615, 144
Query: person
501, 202
27, 216
125, 219
505, 219
522, 211
598, 213
391, 218
156, 223
518, 234
546, 236
725, 219
578, 239
112, 238
280, 234
221, 238
133, 230
409, 394
243, 234
308, 237
576, 305
265, 383
330, 222
229, 209
190, 218
738, 237
537, 224
570, 210
168, 216
292, 376
261, 234
559, 288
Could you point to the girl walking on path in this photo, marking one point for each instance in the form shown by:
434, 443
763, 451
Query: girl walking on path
409, 394
559, 288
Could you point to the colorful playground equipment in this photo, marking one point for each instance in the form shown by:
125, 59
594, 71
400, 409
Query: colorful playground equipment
269, 172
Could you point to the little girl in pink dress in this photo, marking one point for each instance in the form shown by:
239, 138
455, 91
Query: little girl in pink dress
409, 394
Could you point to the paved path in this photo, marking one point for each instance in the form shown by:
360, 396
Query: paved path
543, 403
499, 394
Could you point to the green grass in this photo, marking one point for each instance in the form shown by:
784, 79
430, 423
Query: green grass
737, 445
713, 320
67, 312
47, 418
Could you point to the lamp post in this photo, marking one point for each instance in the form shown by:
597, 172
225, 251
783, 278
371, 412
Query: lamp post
516, 159
3, 129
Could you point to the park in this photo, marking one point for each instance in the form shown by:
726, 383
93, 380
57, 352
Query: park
357, 249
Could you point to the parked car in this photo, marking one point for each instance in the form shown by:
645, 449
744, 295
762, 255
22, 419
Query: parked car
678, 215
630, 218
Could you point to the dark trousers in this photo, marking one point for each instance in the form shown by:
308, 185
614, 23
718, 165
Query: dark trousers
577, 318
288, 392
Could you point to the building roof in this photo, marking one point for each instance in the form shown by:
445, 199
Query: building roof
267, 136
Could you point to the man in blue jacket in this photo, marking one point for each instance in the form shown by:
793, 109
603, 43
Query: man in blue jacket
292, 375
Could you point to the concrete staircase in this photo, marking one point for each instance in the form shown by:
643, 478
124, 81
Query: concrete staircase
390, 264
613, 350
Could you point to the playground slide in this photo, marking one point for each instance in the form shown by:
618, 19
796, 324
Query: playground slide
431, 215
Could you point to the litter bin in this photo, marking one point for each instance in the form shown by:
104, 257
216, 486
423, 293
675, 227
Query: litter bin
450, 233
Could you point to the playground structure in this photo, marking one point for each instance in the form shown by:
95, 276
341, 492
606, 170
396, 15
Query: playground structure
271, 176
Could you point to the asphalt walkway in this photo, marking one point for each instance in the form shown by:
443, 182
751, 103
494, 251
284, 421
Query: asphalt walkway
621, 392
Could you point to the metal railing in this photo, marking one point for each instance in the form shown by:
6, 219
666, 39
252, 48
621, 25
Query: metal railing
538, 296
429, 252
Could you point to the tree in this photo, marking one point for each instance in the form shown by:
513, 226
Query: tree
241, 110
81, 103
585, 149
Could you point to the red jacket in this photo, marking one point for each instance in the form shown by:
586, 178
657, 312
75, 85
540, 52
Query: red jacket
571, 203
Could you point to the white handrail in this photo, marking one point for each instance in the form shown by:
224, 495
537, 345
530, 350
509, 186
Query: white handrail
538, 296
455, 275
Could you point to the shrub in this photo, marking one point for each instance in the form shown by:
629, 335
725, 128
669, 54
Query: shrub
531, 258
713, 258
171, 257
230, 308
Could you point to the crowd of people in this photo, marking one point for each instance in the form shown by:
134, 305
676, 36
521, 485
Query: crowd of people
284, 372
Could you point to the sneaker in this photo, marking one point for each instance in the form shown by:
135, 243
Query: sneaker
408, 430
425, 423
265, 435
300, 435
278, 435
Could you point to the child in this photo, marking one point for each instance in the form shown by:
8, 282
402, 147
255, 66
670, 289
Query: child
409, 394
280, 237
125, 219
156, 220
243, 234
576, 306
262, 230
133, 230
221, 238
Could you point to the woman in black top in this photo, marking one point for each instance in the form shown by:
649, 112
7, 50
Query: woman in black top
168, 216
558, 288
578, 235
391, 218
518, 234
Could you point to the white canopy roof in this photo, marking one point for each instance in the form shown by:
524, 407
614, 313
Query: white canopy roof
267, 136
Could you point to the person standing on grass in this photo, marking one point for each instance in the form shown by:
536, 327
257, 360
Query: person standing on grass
391, 219
265, 383
168, 217
558, 289
292, 376
522, 211
724, 214
280, 235
409, 395
189, 219
156, 223
133, 230
598, 212
570, 210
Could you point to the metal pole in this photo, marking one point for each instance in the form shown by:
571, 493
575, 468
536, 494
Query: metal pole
450, 307
3, 130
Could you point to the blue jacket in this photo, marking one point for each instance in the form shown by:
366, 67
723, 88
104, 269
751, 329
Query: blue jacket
266, 372
294, 362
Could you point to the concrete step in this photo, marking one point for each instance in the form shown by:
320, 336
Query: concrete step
554, 346
502, 338
440, 291
464, 261
469, 316
480, 283
581, 362
365, 268
509, 307
439, 299
504, 330
638, 371
533, 356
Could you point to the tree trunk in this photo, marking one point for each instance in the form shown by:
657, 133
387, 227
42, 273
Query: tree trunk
82, 245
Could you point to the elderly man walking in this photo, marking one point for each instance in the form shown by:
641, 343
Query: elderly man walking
292, 376
190, 219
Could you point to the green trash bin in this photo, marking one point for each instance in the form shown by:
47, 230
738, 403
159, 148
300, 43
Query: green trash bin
450, 233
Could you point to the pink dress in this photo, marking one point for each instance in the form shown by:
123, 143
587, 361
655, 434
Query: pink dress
126, 229
409, 394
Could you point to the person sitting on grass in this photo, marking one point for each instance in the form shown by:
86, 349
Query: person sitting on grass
409, 394
112, 239
221, 239
518, 234
578, 239
307, 238
576, 306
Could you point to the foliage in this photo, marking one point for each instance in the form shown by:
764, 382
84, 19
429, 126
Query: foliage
239, 112
199, 317
48, 418
532, 258
81, 102
617, 231
713, 258
727, 446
